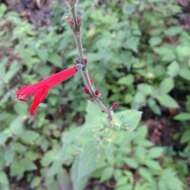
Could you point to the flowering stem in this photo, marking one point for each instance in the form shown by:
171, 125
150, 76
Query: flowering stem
84, 71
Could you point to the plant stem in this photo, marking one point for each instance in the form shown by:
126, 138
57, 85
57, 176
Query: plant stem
84, 72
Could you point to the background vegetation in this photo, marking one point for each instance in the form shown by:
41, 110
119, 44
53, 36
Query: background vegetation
138, 55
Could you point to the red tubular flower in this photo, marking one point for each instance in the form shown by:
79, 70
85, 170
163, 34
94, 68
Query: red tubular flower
40, 89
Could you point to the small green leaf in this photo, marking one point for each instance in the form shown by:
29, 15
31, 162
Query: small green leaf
174, 30
131, 162
55, 59
36, 182
167, 101
145, 89
154, 41
16, 126
21, 108
128, 80
167, 85
107, 173
129, 118
88, 161
2, 10
3, 178
173, 69
29, 136
166, 53
132, 43
14, 68
183, 117
183, 51
43, 54
138, 100
153, 164
94, 114
145, 173
185, 73
49, 157
155, 152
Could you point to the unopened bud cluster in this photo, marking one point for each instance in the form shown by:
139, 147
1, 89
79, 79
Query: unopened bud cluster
87, 91
74, 24
81, 64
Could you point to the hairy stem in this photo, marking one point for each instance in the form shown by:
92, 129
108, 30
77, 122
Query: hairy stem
84, 72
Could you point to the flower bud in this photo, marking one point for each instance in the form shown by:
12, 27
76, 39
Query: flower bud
97, 93
70, 21
115, 105
85, 61
78, 20
86, 90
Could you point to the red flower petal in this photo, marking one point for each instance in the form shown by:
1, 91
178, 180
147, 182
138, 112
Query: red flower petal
25, 92
59, 77
40, 89
38, 98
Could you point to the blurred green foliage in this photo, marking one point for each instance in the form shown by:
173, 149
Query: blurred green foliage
138, 55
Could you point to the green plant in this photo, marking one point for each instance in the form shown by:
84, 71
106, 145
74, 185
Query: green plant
184, 117
118, 151
139, 56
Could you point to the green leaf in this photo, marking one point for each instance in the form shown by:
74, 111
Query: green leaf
3, 178
4, 135
128, 80
4, 182
155, 152
122, 182
43, 55
29, 136
36, 182
169, 180
154, 41
18, 167
94, 115
55, 59
145, 173
139, 100
185, 73
89, 160
154, 106
21, 108
166, 53
183, 51
172, 31
173, 69
131, 162
140, 135
14, 68
107, 173
185, 137
2, 10
132, 43
16, 126
153, 164
167, 85
167, 101
129, 118
145, 89
49, 157
183, 117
